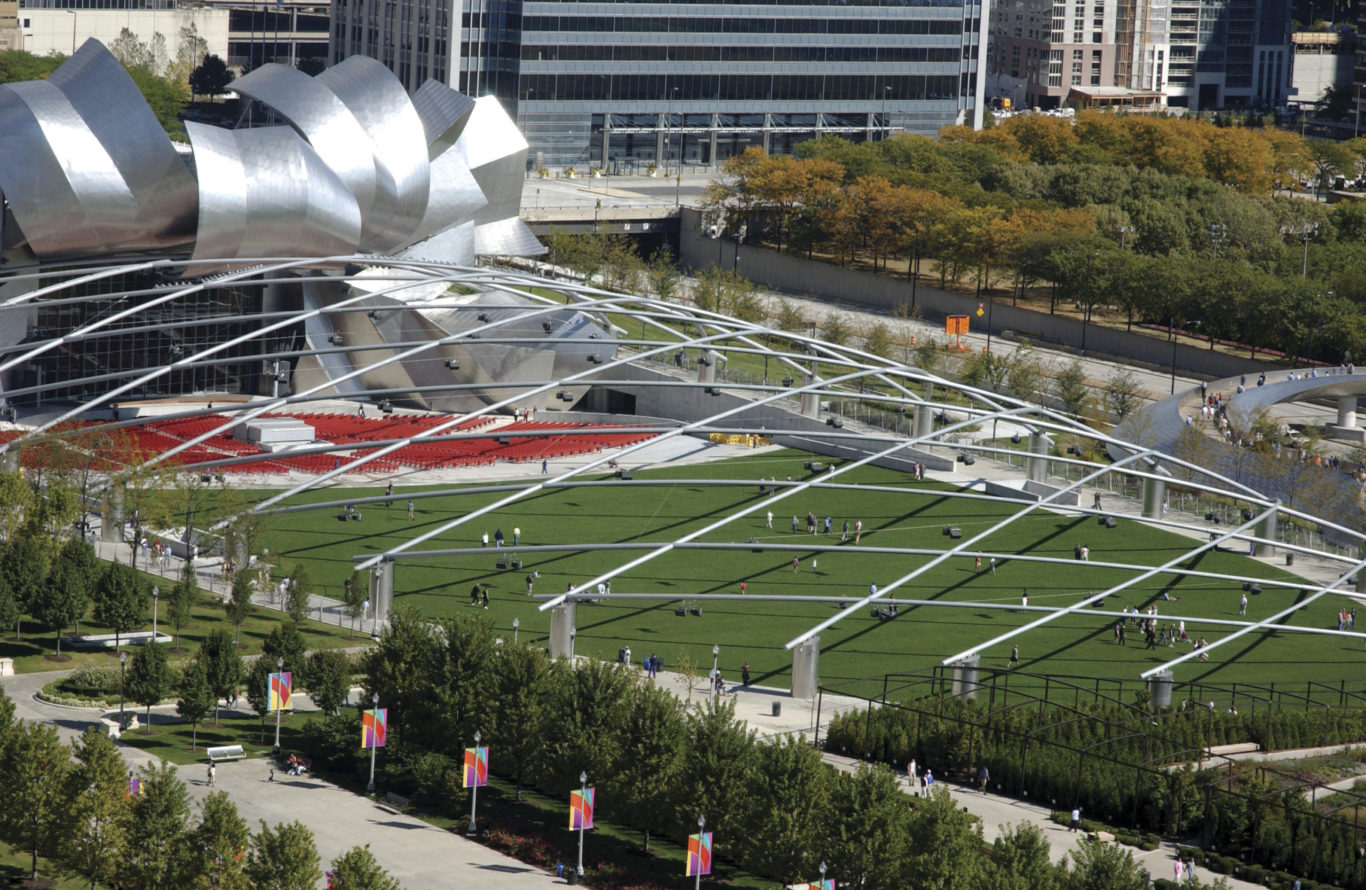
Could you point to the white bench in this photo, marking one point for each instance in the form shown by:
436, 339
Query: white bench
1235, 748
226, 752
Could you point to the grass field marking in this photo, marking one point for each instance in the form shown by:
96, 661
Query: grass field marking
1165, 567
957, 550
388, 555
1293, 607
734, 516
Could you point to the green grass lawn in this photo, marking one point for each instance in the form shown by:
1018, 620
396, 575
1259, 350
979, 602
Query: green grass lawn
36, 650
182, 744
15, 868
912, 515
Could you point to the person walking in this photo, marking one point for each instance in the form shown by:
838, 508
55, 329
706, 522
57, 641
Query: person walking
213, 772
484, 593
794, 565
545, 467
529, 580
1076, 819
992, 564
827, 524
982, 778
498, 537
744, 674
484, 539
410, 508
742, 588
794, 523
1242, 605
516, 536
1024, 600
389, 495
768, 519
1014, 656
844, 535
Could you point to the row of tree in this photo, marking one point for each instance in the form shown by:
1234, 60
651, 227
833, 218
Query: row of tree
81, 805
658, 763
1121, 765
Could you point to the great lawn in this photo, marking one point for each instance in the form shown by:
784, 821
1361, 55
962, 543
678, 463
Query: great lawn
659, 506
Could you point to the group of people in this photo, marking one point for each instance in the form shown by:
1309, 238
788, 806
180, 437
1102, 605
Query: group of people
1081, 552
479, 594
814, 525
1347, 619
926, 777
499, 538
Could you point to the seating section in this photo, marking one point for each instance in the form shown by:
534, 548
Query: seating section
344, 438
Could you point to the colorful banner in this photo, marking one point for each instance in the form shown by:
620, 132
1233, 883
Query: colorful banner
699, 854
279, 691
476, 767
372, 726
134, 788
581, 809
824, 884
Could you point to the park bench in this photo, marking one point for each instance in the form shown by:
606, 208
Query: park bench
395, 803
1236, 748
223, 753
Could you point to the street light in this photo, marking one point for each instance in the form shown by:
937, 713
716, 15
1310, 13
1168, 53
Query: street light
123, 660
1307, 232
515, 624
715, 654
583, 793
1175, 332
821, 868
473, 828
73, 31
701, 827
279, 706
379, 586
374, 730
156, 594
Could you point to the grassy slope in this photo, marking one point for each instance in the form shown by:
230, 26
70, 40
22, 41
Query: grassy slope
859, 647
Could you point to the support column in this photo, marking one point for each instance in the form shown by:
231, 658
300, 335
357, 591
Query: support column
1036, 465
806, 669
562, 631
965, 677
382, 591
811, 401
1266, 529
924, 421
1154, 492
1347, 412
1160, 689
1361, 573
706, 367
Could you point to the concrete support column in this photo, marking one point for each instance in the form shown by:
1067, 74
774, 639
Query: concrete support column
965, 677
806, 669
1266, 529
1154, 494
606, 148
1347, 411
1036, 465
706, 367
562, 631
381, 592
811, 401
1160, 689
659, 150
924, 421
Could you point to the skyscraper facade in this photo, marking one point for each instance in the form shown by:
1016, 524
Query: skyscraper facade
1200, 54
672, 83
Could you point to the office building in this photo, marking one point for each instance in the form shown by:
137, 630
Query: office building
1199, 54
667, 83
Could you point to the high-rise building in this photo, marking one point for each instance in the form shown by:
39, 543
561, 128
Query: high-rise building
1198, 53
669, 83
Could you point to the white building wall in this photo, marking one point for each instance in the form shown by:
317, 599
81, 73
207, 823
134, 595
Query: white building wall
60, 31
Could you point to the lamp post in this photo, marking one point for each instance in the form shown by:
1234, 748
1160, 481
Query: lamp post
370, 786
156, 595
473, 828
1307, 232
1175, 333
73, 31
821, 868
515, 624
883, 128
583, 792
701, 827
715, 654
123, 660
279, 706
379, 586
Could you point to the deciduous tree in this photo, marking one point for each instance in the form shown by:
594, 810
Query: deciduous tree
96, 836
357, 869
283, 858
158, 833
149, 677
120, 599
33, 802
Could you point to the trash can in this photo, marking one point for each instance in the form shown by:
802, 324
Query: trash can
1290, 559
571, 876
777, 709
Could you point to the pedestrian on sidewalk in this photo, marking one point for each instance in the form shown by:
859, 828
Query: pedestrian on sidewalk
1014, 656
982, 778
744, 674
1076, 819
213, 771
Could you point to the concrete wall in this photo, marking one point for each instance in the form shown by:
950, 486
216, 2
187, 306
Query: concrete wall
865, 290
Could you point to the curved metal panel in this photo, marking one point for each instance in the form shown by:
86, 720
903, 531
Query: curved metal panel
455, 197
105, 97
495, 153
265, 192
379, 102
61, 184
506, 237
444, 113
328, 125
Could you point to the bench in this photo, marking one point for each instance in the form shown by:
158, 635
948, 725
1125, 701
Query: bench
223, 753
1236, 748
394, 803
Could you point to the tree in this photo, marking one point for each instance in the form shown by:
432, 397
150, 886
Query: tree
1101, 866
329, 679
283, 858
522, 677
869, 820
25, 564
878, 340
211, 78
1019, 860
944, 841
17, 498
285, 641
1071, 389
196, 698
33, 803
397, 669
662, 274
218, 845
180, 605
718, 762
354, 597
467, 669
158, 833
149, 677
120, 599
238, 605
357, 869
296, 595
650, 761
222, 666
64, 599
96, 835
835, 328
788, 799
1122, 393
